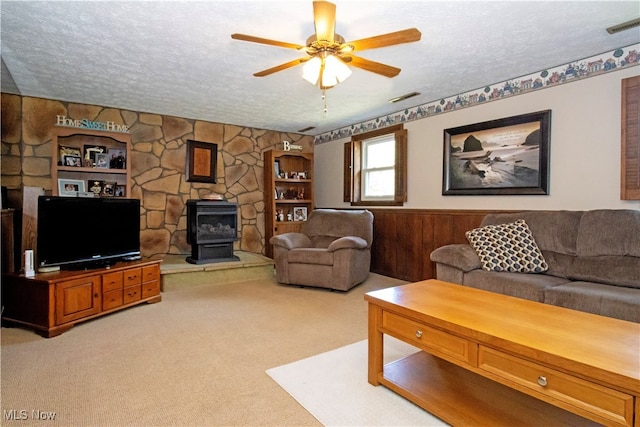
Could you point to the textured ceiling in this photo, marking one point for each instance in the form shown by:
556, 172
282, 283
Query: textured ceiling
177, 58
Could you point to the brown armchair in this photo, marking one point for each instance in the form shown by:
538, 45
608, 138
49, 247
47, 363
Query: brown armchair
333, 250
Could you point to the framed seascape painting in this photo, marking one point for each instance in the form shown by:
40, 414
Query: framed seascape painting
508, 156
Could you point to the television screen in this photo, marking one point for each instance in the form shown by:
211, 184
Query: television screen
78, 232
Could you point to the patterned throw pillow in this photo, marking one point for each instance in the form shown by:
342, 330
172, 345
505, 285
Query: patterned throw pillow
507, 247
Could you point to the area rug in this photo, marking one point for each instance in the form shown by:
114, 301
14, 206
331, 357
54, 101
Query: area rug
333, 387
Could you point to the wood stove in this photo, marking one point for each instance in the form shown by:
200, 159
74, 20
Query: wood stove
212, 227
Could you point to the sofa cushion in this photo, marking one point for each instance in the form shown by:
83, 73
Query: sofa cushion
606, 300
507, 247
612, 270
526, 286
609, 232
554, 231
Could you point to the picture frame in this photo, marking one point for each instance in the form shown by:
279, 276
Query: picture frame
202, 159
276, 168
299, 213
70, 187
102, 160
508, 156
64, 150
108, 189
70, 160
120, 191
117, 158
90, 152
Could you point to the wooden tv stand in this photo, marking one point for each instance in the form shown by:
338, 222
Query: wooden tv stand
51, 303
491, 359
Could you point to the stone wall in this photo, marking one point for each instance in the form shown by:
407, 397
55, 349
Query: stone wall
158, 162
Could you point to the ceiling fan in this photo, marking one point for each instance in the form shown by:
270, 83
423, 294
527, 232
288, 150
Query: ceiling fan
327, 53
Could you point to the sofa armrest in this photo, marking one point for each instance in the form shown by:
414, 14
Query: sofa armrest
347, 242
460, 256
291, 240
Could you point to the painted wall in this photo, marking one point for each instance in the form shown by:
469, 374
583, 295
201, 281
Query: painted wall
584, 151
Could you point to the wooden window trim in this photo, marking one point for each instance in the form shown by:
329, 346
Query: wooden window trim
352, 190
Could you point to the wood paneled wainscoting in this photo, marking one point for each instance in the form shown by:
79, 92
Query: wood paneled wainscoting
404, 238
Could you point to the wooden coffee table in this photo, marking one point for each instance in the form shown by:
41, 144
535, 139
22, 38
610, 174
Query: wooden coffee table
491, 359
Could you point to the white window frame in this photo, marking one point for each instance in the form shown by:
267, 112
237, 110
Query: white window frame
364, 171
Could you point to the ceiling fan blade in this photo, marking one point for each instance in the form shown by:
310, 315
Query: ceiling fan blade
374, 67
281, 67
324, 19
253, 39
398, 37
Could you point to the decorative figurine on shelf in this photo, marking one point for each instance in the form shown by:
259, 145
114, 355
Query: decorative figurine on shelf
301, 194
289, 217
279, 215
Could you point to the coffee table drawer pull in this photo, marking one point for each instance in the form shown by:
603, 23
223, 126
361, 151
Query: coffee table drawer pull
419, 333
542, 381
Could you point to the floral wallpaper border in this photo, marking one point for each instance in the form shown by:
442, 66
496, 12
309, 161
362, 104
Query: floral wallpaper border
589, 67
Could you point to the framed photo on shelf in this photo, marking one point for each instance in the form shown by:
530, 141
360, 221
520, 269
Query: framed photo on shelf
69, 160
70, 187
276, 168
300, 214
90, 152
117, 158
500, 157
109, 189
102, 160
65, 151
120, 191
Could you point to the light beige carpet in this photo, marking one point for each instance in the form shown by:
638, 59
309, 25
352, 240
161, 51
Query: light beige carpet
198, 358
333, 387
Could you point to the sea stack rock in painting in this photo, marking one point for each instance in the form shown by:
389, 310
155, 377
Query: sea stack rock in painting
472, 144
534, 138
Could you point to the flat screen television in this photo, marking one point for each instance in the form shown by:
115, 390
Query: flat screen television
83, 232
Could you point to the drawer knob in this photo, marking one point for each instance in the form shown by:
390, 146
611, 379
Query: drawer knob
419, 333
542, 381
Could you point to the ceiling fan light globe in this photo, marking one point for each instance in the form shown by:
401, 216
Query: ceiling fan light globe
311, 70
337, 69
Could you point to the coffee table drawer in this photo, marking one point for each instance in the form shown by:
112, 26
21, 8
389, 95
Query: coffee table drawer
434, 341
600, 402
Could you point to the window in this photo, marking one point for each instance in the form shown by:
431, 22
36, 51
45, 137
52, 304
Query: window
375, 168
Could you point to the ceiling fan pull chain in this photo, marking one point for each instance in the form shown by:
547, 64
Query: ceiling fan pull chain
324, 99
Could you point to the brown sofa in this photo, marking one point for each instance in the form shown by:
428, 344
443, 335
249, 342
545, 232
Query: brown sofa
593, 260
333, 250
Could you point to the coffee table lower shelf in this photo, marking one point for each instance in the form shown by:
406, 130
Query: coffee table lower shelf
462, 397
